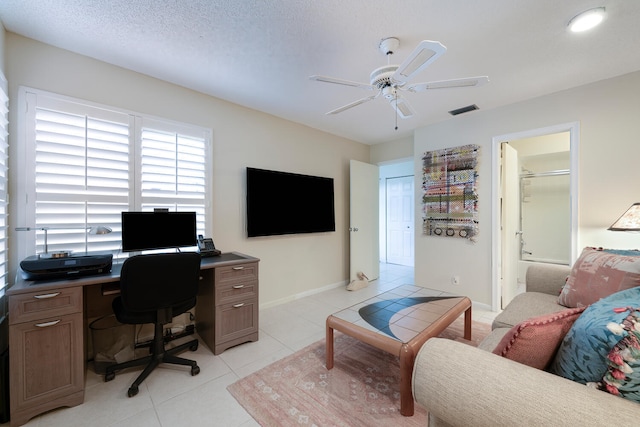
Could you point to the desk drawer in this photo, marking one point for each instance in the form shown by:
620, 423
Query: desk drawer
237, 289
241, 272
236, 320
39, 305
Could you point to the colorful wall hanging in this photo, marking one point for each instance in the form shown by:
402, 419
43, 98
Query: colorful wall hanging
450, 200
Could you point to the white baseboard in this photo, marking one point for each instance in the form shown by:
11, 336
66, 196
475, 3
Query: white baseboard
302, 295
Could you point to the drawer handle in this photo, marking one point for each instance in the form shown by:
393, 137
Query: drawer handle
44, 325
47, 296
238, 305
238, 286
238, 268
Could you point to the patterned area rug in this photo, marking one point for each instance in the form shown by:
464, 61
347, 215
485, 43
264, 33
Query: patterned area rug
361, 390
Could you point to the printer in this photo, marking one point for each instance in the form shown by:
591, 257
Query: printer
38, 268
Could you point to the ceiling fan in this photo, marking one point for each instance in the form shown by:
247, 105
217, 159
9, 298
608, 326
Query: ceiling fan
390, 79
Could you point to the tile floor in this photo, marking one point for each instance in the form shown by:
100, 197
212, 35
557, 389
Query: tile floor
172, 397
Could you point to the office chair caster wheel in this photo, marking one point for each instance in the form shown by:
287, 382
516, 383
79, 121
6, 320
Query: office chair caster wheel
109, 376
195, 370
133, 390
194, 347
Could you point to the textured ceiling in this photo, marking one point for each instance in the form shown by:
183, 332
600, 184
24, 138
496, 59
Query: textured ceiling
260, 54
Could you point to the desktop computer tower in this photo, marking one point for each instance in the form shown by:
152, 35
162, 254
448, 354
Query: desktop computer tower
4, 386
4, 370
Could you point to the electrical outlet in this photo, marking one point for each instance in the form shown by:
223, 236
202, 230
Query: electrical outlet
455, 280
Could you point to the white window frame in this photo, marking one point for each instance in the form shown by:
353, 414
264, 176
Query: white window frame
26, 186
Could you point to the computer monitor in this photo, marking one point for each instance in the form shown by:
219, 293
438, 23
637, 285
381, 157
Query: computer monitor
157, 230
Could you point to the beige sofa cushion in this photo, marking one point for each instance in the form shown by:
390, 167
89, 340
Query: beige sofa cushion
526, 306
462, 386
492, 340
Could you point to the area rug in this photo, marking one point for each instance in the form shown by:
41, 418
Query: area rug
361, 390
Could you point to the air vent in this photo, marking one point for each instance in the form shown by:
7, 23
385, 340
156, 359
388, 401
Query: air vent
464, 109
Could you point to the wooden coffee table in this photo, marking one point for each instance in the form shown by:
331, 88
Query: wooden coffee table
399, 321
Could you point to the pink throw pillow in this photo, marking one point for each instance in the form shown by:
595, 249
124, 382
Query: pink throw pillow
599, 273
534, 342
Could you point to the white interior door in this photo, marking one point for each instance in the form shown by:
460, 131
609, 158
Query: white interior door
400, 225
510, 223
364, 226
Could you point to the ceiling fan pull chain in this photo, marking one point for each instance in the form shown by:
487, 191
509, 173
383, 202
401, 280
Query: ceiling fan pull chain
396, 110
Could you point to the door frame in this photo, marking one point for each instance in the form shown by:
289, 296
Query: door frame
496, 246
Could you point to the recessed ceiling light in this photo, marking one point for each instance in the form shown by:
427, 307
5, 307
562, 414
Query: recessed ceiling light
586, 20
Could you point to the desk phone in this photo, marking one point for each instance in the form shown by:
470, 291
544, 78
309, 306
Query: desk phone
206, 247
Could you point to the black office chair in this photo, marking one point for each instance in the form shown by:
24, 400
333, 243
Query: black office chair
155, 288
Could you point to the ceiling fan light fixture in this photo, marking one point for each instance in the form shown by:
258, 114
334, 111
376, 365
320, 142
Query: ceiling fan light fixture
586, 20
389, 79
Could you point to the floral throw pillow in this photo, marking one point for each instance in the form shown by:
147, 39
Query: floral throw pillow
598, 273
623, 372
583, 354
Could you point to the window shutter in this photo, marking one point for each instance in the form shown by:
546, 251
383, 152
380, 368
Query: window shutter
81, 176
93, 162
172, 172
4, 124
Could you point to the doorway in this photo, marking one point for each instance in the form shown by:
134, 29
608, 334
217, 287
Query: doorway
544, 195
363, 220
399, 204
397, 213
535, 216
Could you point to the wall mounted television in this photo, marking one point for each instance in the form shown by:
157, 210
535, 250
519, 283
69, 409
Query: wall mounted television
157, 230
288, 203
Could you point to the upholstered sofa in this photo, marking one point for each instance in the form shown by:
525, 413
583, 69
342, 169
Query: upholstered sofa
461, 385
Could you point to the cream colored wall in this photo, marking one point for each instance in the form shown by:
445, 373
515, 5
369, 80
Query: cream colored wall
392, 151
290, 265
545, 144
609, 150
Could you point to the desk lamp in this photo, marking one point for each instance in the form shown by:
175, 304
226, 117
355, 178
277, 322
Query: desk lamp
98, 229
629, 221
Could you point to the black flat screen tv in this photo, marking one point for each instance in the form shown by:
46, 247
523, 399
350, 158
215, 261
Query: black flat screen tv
287, 203
143, 231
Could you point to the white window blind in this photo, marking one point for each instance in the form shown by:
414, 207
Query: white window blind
91, 163
172, 171
81, 175
4, 124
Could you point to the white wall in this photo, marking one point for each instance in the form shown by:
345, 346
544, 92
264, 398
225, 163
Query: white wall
290, 265
2, 36
609, 150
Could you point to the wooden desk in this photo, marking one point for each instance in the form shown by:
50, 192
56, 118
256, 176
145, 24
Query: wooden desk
48, 327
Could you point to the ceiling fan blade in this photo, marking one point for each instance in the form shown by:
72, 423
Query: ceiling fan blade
402, 107
353, 104
341, 82
422, 56
446, 84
